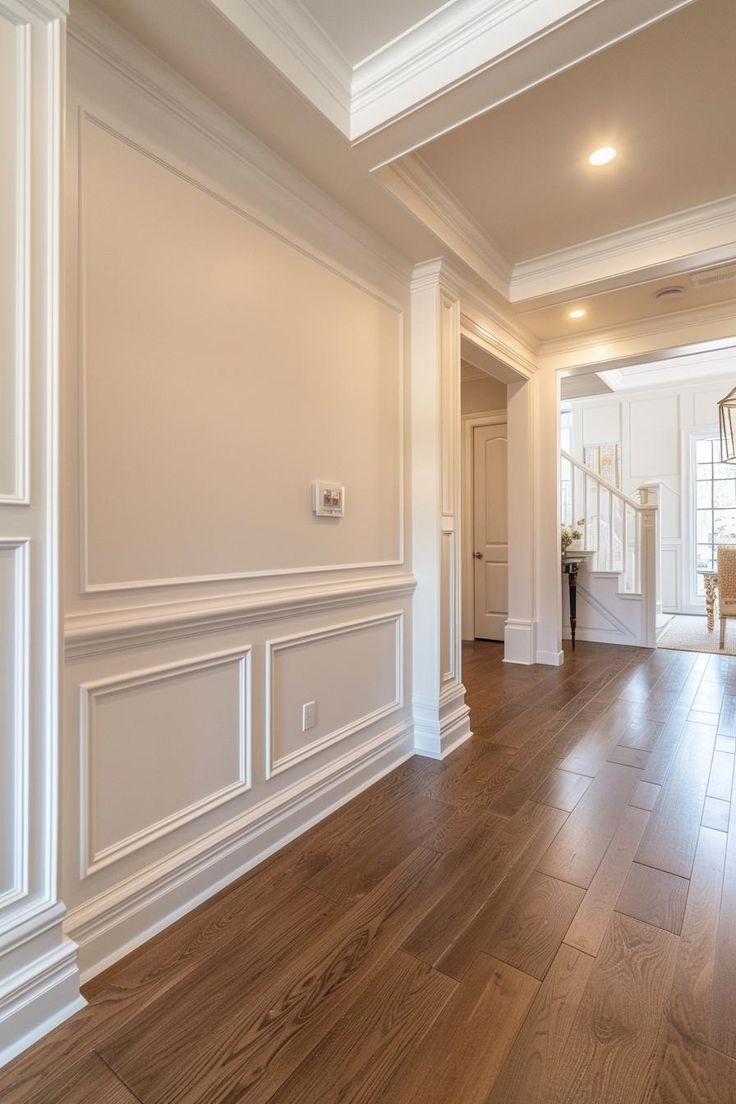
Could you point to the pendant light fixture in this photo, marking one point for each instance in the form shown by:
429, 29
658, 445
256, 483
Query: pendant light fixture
727, 424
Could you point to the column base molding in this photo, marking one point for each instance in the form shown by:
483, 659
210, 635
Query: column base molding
441, 727
43, 989
519, 642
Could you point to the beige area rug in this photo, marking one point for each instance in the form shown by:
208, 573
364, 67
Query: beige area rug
690, 634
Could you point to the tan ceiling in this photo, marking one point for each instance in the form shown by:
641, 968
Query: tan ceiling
665, 98
360, 27
626, 304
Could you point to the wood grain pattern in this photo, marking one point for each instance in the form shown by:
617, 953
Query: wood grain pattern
527, 1072
562, 789
388, 953
672, 833
534, 926
581, 843
462, 1054
655, 897
356, 1061
610, 1051
591, 921
693, 1074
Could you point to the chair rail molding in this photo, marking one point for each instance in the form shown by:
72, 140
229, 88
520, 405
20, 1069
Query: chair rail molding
39, 978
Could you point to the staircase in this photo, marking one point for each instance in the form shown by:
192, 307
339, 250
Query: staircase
618, 587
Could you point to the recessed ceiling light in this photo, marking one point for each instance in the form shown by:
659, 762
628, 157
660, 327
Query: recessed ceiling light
602, 156
578, 312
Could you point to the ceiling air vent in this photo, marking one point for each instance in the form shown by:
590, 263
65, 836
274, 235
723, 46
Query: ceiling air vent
669, 293
710, 276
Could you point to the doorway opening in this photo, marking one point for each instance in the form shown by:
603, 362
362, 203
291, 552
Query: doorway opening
485, 484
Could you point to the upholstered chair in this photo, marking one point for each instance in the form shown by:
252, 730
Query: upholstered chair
726, 587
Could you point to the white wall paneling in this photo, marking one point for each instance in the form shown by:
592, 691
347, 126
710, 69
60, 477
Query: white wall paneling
39, 980
320, 666
160, 747
655, 427
232, 336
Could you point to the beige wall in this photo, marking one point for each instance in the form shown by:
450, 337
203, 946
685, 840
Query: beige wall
235, 338
480, 395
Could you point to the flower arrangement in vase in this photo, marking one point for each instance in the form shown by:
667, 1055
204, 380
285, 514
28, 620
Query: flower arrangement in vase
569, 538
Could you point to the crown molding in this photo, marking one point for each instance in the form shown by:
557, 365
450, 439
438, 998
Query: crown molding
697, 330
292, 40
676, 237
103, 38
420, 190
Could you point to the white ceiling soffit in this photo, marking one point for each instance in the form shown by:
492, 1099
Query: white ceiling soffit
584, 386
466, 57
698, 368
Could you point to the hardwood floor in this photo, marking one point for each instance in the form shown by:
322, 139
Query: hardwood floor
546, 917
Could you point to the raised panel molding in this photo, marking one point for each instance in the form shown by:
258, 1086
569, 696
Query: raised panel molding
14, 741
14, 391
276, 764
94, 857
120, 586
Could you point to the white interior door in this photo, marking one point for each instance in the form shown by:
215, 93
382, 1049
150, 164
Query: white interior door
490, 530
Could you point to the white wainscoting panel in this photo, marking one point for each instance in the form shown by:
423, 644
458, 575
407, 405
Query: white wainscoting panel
352, 671
13, 719
15, 61
654, 437
159, 747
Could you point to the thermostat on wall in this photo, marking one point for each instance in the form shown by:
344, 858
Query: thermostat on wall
328, 499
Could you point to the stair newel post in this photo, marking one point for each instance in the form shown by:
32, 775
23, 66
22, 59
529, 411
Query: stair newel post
649, 494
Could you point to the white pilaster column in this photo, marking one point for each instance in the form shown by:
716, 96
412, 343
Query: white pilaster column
441, 717
520, 631
547, 591
39, 981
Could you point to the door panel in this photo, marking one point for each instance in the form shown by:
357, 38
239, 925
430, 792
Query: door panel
490, 526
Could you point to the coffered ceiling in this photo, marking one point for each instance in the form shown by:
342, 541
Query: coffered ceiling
359, 28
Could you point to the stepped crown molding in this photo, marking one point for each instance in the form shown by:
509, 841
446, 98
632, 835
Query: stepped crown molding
99, 35
673, 237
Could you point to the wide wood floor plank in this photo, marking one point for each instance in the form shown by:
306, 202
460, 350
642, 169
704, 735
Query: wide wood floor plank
533, 928
645, 795
89, 1081
723, 1023
610, 1052
720, 781
693, 1074
655, 897
527, 1073
576, 851
462, 1054
672, 833
446, 925
223, 1037
589, 926
363, 1052
691, 1001
716, 814
562, 789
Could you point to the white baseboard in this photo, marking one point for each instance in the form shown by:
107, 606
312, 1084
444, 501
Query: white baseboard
37, 998
605, 636
518, 639
121, 919
551, 659
441, 728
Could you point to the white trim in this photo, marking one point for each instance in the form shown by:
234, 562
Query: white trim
89, 634
276, 766
672, 238
518, 642
292, 40
438, 731
469, 422
20, 734
20, 415
280, 234
424, 194
92, 859
132, 911
38, 998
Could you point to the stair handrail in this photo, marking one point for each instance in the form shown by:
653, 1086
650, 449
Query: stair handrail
633, 502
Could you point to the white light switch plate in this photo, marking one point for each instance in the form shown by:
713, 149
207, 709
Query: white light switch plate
328, 499
309, 715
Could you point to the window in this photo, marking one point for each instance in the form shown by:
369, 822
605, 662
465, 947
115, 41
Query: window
566, 468
715, 504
